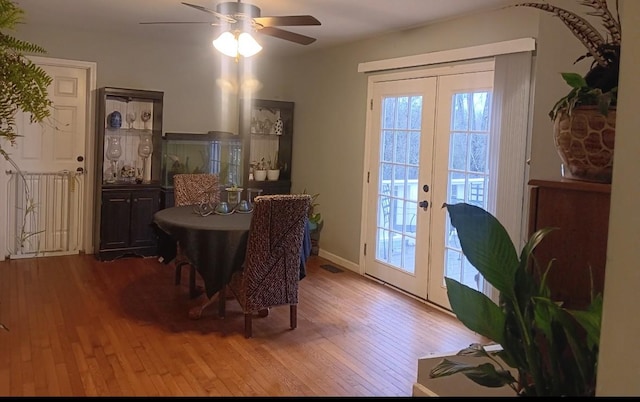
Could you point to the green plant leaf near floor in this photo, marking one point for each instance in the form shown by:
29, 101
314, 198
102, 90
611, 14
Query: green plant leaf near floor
552, 350
314, 217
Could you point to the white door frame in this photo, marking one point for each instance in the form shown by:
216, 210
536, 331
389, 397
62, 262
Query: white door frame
461, 68
87, 239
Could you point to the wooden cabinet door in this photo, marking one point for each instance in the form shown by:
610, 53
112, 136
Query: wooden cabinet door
580, 212
116, 212
144, 204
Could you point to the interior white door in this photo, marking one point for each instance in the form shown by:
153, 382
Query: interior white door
51, 156
397, 228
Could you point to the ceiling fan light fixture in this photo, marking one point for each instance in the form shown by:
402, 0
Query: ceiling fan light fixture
247, 46
232, 44
227, 44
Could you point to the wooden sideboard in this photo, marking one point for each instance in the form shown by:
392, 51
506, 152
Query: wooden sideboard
580, 211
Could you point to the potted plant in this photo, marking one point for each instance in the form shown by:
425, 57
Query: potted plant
260, 170
273, 171
23, 88
553, 350
315, 223
584, 119
24, 84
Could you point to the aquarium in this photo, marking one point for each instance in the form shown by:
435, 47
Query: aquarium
215, 152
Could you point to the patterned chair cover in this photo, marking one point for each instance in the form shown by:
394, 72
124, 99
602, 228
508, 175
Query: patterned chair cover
192, 189
271, 270
195, 188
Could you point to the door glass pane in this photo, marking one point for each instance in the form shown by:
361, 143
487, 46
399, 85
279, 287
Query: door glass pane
401, 147
398, 181
468, 176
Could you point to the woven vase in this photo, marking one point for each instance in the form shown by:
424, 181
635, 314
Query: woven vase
585, 142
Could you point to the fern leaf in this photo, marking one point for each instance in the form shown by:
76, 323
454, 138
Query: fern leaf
10, 15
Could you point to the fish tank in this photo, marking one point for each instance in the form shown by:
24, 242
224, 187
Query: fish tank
216, 152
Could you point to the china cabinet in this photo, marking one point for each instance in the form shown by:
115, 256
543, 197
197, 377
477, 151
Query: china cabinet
128, 165
580, 212
267, 129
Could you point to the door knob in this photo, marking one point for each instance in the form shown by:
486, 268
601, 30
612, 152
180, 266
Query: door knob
80, 170
424, 204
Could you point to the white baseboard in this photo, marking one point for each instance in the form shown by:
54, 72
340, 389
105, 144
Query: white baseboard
351, 266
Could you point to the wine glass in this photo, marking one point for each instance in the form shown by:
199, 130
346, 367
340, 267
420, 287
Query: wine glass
131, 117
114, 151
145, 148
145, 116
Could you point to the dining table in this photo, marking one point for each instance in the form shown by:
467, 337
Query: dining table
214, 244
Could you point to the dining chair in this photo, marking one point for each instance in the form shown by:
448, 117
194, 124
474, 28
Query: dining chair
192, 189
270, 273
195, 188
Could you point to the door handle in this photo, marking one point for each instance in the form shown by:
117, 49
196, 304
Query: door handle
80, 170
424, 204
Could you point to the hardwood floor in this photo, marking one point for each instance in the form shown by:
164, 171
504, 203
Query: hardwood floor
81, 327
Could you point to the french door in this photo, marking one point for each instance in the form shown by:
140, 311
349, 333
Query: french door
400, 172
428, 145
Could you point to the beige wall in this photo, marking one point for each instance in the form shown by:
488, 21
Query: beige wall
330, 100
189, 74
328, 92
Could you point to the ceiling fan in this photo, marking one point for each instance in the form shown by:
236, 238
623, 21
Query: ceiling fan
246, 17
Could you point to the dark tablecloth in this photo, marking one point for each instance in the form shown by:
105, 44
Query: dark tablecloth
215, 244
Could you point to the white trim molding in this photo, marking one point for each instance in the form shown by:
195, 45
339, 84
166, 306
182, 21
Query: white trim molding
445, 56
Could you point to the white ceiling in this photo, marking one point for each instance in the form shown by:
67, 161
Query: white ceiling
342, 20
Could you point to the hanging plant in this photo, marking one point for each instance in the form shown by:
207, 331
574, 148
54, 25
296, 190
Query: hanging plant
23, 85
23, 88
599, 86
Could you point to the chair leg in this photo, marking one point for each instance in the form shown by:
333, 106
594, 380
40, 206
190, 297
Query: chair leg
247, 325
178, 273
293, 315
193, 292
222, 302
179, 266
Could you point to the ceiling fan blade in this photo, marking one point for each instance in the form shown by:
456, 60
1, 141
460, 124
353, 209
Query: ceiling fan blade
178, 22
207, 10
287, 21
287, 35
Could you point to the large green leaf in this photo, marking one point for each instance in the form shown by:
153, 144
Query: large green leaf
486, 244
553, 349
574, 80
484, 374
590, 320
476, 311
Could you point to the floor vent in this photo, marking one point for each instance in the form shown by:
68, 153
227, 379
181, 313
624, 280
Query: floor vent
331, 268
